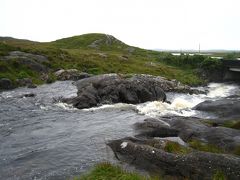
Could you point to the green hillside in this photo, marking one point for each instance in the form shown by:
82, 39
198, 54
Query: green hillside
91, 41
95, 54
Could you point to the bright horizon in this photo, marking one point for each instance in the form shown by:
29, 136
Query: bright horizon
152, 24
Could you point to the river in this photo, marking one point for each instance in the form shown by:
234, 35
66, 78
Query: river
41, 138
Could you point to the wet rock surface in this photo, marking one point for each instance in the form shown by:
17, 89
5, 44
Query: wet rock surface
195, 165
227, 107
114, 88
194, 128
147, 149
154, 128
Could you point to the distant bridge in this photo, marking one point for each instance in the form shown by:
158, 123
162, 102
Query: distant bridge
232, 69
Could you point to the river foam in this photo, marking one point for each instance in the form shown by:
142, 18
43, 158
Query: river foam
218, 90
181, 104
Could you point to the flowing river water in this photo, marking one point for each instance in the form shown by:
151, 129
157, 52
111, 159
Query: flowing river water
41, 138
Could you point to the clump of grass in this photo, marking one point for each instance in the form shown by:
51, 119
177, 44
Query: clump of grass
106, 171
235, 124
201, 146
219, 175
51, 78
237, 151
5, 49
210, 123
174, 147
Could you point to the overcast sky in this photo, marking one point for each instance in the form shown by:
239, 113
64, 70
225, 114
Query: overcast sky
163, 24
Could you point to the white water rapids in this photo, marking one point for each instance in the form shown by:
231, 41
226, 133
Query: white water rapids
181, 104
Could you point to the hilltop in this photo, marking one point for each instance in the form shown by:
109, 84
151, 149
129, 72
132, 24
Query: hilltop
91, 41
91, 53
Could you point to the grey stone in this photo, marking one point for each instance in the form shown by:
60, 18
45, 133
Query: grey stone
227, 107
70, 74
195, 165
33, 61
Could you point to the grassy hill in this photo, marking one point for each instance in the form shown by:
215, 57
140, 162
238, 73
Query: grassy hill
91, 41
92, 53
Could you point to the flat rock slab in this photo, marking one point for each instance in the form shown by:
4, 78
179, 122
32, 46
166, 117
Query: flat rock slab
188, 128
227, 107
195, 165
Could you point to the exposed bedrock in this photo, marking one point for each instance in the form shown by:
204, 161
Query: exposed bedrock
228, 107
114, 88
155, 128
148, 148
194, 165
32, 61
188, 128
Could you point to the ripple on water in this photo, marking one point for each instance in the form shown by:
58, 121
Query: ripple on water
44, 139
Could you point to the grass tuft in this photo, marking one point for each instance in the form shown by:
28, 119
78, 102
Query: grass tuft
235, 124
106, 171
174, 147
219, 175
201, 146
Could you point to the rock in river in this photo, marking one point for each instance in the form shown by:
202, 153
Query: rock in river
228, 107
114, 88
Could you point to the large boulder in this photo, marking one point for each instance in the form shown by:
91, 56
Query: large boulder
194, 165
228, 107
114, 88
70, 74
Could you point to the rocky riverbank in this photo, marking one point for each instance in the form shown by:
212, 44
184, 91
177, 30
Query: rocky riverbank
187, 147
